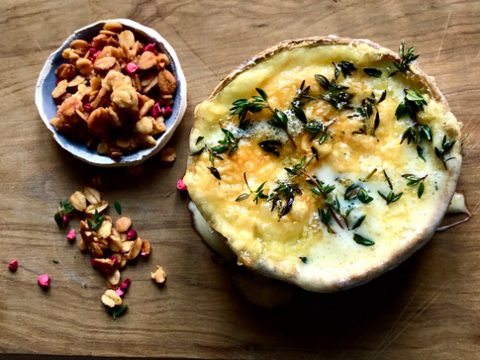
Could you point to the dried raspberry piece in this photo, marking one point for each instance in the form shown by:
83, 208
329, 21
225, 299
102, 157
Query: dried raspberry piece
157, 110
167, 112
87, 107
13, 266
131, 68
71, 235
125, 284
181, 185
119, 292
44, 281
151, 48
131, 234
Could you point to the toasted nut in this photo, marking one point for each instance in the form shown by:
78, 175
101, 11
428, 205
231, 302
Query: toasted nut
135, 170
126, 39
127, 246
135, 251
78, 201
166, 82
114, 279
111, 298
85, 67
114, 26
125, 97
159, 276
104, 63
168, 155
105, 229
82, 245
95, 249
77, 80
105, 266
146, 108
114, 242
146, 140
144, 125
99, 207
123, 224
66, 71
115, 153
146, 247
102, 148
147, 61
60, 89
80, 46
93, 195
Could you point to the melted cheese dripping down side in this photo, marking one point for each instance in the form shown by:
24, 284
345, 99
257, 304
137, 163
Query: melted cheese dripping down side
253, 230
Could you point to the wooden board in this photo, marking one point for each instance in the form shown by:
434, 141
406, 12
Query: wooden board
427, 308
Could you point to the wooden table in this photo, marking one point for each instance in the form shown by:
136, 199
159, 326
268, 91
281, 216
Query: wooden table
427, 308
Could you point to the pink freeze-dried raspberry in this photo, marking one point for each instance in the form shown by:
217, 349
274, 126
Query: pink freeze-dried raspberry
151, 48
119, 292
65, 219
91, 59
114, 259
125, 284
71, 235
181, 185
57, 81
13, 265
167, 112
92, 261
143, 254
87, 107
131, 68
96, 54
44, 280
157, 110
131, 234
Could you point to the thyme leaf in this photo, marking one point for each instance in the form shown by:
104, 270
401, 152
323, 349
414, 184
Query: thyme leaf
304, 259
97, 221
270, 146
214, 172
358, 222
391, 197
287, 191
258, 192
372, 72
118, 207
362, 241
337, 96
420, 153
345, 67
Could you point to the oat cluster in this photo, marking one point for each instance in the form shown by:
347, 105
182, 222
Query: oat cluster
114, 92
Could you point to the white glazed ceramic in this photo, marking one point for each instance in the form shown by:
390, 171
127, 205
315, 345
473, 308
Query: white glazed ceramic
47, 108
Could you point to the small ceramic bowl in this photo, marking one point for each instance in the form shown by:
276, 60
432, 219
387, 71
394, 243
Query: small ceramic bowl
47, 108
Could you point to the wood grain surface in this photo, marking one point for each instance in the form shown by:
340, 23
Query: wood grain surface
427, 308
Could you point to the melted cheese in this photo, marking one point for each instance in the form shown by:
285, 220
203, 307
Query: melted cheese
274, 247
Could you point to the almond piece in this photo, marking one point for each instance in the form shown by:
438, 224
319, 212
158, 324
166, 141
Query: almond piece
99, 207
105, 229
77, 80
166, 82
127, 39
127, 246
78, 201
93, 195
168, 156
147, 61
104, 63
60, 89
144, 125
123, 224
159, 275
111, 298
114, 279
146, 247
114, 26
135, 251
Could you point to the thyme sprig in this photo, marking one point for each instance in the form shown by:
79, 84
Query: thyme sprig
321, 188
258, 192
365, 111
411, 106
97, 221
391, 197
299, 101
228, 143
279, 119
442, 153
406, 58
287, 191
414, 180
64, 208
336, 96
